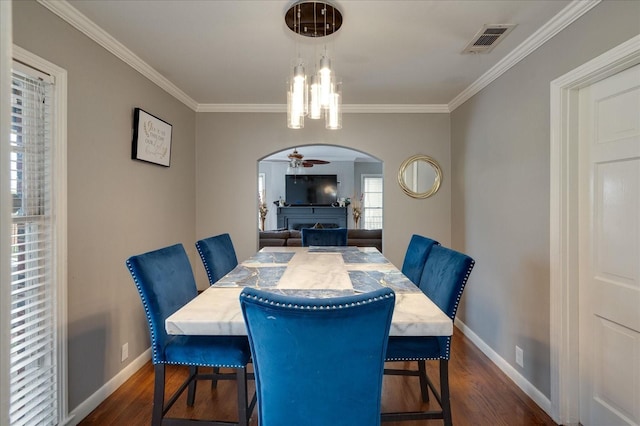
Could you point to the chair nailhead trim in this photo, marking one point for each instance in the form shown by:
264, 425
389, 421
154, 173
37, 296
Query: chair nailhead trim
147, 313
458, 297
414, 359
201, 364
455, 309
316, 307
206, 265
155, 357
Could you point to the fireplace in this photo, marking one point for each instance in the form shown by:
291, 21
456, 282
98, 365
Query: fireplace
298, 217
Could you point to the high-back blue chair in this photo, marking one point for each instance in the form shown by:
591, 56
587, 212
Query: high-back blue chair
324, 237
218, 256
318, 362
445, 275
416, 256
165, 281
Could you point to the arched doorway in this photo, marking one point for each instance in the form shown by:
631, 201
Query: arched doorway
356, 174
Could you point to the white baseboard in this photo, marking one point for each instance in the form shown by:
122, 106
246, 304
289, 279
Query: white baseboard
538, 397
91, 403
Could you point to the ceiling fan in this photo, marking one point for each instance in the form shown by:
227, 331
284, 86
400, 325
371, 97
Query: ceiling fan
296, 160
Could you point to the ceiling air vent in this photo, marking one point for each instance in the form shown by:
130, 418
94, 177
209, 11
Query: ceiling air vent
487, 38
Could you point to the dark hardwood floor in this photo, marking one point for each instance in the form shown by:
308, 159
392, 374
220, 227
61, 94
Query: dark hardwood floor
480, 395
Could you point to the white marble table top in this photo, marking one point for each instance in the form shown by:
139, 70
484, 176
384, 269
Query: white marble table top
313, 272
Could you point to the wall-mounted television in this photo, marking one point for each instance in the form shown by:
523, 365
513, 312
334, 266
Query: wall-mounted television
311, 190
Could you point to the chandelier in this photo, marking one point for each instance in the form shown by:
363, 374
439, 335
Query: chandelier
320, 94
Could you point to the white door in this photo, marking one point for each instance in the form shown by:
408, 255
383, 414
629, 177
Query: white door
609, 192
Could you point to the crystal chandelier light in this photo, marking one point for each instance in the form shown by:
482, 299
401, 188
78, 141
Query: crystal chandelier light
320, 94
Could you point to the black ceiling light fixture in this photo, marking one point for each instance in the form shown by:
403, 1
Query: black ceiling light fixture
313, 18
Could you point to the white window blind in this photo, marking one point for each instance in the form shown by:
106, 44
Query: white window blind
33, 354
372, 208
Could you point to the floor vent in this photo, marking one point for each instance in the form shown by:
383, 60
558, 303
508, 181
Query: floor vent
487, 38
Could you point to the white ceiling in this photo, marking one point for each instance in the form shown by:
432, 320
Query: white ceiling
236, 55
386, 53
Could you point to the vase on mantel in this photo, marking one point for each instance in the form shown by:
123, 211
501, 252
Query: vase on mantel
356, 216
263, 214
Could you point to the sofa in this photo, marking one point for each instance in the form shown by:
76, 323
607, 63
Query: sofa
293, 238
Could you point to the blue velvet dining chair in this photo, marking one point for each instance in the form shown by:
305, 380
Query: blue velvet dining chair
324, 237
443, 280
218, 256
165, 282
416, 256
318, 361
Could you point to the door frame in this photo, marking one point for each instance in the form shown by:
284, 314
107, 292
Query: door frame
563, 244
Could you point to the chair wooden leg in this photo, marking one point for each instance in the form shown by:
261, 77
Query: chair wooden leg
191, 393
241, 381
214, 382
442, 396
422, 373
444, 392
158, 395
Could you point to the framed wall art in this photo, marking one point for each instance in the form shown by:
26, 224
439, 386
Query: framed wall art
151, 139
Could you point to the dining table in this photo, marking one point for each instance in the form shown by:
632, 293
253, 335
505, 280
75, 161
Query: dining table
310, 272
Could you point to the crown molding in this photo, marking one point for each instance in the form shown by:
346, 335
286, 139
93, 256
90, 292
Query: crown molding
79, 21
559, 22
396, 108
241, 108
569, 14
349, 109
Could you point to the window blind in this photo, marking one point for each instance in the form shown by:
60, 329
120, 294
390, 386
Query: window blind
33, 353
372, 208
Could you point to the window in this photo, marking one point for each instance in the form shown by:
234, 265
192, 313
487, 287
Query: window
372, 207
37, 359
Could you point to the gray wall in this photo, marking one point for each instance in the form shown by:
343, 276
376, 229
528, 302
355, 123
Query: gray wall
228, 146
117, 207
493, 203
500, 203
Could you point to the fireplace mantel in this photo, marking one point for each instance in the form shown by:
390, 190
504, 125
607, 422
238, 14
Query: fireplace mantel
297, 217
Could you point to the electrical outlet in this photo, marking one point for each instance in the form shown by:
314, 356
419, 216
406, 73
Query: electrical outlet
125, 352
519, 356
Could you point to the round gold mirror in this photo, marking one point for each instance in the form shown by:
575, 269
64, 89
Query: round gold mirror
420, 176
